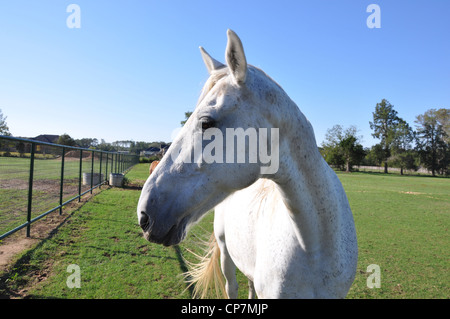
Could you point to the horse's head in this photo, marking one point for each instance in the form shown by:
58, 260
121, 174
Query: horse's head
223, 147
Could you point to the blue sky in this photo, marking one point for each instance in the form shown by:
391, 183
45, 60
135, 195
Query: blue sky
133, 68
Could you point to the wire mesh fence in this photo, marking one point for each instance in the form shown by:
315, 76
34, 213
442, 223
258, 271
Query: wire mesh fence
38, 178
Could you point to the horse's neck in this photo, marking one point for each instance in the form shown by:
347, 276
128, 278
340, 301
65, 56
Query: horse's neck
305, 181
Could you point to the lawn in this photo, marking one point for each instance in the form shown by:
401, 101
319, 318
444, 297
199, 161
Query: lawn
19, 168
14, 185
402, 226
401, 221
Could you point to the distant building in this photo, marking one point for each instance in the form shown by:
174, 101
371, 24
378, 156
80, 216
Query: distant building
47, 138
151, 151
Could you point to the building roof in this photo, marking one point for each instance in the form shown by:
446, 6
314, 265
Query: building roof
152, 149
47, 138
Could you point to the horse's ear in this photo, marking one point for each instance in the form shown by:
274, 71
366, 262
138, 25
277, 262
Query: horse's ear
211, 64
235, 57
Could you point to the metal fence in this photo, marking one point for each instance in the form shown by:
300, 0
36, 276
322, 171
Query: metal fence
38, 178
392, 169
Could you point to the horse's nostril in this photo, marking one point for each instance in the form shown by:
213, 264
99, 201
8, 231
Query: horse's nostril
144, 221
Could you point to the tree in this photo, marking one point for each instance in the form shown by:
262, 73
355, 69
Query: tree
104, 146
443, 118
20, 147
4, 130
375, 155
186, 115
65, 139
385, 122
341, 147
333, 156
123, 145
87, 142
402, 154
352, 152
405, 160
432, 142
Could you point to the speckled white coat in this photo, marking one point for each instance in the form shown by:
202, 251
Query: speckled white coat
292, 232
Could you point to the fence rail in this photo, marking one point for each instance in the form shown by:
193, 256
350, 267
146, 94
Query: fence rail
38, 178
392, 169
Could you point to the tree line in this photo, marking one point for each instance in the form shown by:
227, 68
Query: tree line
400, 145
92, 143
118, 146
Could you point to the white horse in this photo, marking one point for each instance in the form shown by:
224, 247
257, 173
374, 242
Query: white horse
291, 232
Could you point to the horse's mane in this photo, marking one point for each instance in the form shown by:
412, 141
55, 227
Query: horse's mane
267, 196
212, 81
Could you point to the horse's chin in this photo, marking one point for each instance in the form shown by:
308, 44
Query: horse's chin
175, 236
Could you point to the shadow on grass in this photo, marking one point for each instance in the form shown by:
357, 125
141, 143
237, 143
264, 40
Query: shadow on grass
135, 187
183, 267
23, 272
29, 268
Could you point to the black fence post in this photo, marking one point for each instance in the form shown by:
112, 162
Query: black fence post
92, 170
61, 190
30, 188
79, 176
100, 170
107, 157
115, 166
119, 164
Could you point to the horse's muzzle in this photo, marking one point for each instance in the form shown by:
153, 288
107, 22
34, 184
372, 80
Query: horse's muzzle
144, 221
174, 236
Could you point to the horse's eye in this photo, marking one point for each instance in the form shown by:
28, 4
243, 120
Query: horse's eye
208, 123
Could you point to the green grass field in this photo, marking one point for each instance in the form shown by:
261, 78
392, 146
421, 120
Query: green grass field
401, 221
18, 168
14, 184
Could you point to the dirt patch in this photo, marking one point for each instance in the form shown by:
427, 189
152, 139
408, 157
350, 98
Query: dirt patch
17, 183
413, 193
9, 250
17, 243
44, 185
46, 195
